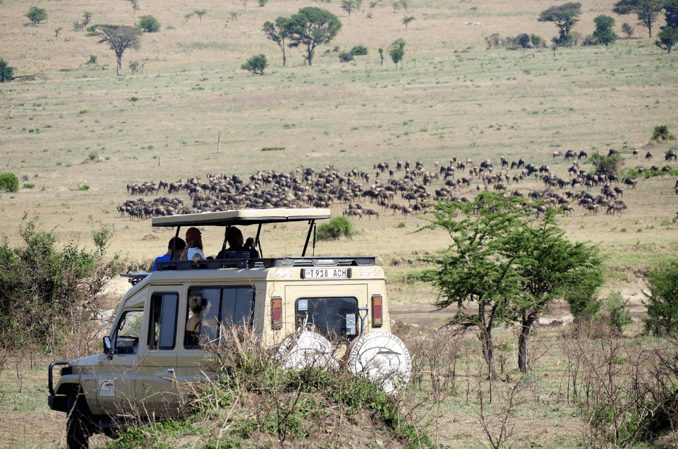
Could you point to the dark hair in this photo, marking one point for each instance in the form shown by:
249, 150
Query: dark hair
179, 242
234, 237
196, 303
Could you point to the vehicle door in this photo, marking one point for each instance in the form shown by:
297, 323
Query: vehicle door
223, 307
157, 392
116, 373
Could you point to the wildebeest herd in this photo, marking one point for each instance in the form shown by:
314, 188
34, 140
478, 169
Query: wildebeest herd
403, 188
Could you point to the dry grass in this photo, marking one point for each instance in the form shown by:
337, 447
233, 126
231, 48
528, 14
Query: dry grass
452, 99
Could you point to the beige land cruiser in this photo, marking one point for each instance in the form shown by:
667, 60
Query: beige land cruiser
325, 310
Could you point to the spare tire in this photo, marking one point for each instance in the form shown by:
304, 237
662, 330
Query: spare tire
306, 349
383, 358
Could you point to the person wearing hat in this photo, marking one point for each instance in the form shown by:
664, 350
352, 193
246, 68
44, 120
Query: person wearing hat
174, 249
193, 251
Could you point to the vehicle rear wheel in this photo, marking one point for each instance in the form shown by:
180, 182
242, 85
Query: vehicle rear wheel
79, 425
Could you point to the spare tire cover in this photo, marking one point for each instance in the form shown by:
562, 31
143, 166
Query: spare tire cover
306, 349
382, 358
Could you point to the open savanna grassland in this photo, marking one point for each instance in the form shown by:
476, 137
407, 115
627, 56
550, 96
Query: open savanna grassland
451, 98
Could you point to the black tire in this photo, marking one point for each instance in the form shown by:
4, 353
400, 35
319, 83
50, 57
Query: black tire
79, 424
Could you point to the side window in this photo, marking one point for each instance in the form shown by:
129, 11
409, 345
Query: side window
210, 307
126, 338
163, 325
236, 306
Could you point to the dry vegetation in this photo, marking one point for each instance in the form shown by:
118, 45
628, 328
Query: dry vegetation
78, 124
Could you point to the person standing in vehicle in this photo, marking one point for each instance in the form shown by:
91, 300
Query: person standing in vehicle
174, 249
193, 251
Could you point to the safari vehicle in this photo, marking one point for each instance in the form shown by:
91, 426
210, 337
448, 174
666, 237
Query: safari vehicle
311, 309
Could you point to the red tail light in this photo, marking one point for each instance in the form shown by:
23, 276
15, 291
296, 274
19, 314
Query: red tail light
276, 313
377, 319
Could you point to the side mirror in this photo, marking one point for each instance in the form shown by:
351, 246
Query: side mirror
108, 346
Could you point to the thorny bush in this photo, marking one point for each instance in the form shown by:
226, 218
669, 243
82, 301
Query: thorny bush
257, 399
48, 292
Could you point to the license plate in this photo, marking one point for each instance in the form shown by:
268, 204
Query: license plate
324, 273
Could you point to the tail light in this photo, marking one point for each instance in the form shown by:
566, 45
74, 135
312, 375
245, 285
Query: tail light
377, 318
276, 313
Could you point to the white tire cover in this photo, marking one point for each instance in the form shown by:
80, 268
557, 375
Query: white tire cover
306, 349
382, 358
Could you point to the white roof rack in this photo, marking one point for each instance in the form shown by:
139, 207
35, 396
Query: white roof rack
241, 217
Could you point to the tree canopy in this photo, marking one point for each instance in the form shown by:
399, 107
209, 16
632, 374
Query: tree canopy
646, 10
119, 38
278, 32
565, 16
6, 72
662, 310
149, 24
667, 38
548, 267
311, 27
397, 51
511, 265
671, 13
36, 15
603, 33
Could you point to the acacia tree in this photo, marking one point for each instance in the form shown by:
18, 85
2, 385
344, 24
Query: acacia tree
311, 27
349, 6
119, 38
646, 10
604, 33
278, 32
36, 15
565, 16
407, 20
473, 269
397, 51
667, 38
548, 267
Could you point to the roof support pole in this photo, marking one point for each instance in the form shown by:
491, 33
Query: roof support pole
308, 236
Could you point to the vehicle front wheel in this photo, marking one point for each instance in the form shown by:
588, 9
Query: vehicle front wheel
79, 425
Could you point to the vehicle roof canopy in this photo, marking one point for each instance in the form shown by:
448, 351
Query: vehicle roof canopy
242, 217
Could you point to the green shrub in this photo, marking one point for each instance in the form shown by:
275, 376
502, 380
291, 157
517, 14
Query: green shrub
359, 50
606, 165
92, 60
662, 310
662, 132
6, 72
148, 24
36, 15
44, 288
345, 56
337, 227
401, 224
9, 182
616, 312
273, 149
256, 64
29, 186
84, 187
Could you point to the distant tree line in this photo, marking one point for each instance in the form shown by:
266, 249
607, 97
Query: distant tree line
565, 16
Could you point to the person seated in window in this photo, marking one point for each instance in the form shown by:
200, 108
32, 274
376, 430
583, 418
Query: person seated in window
196, 303
193, 251
174, 249
234, 239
